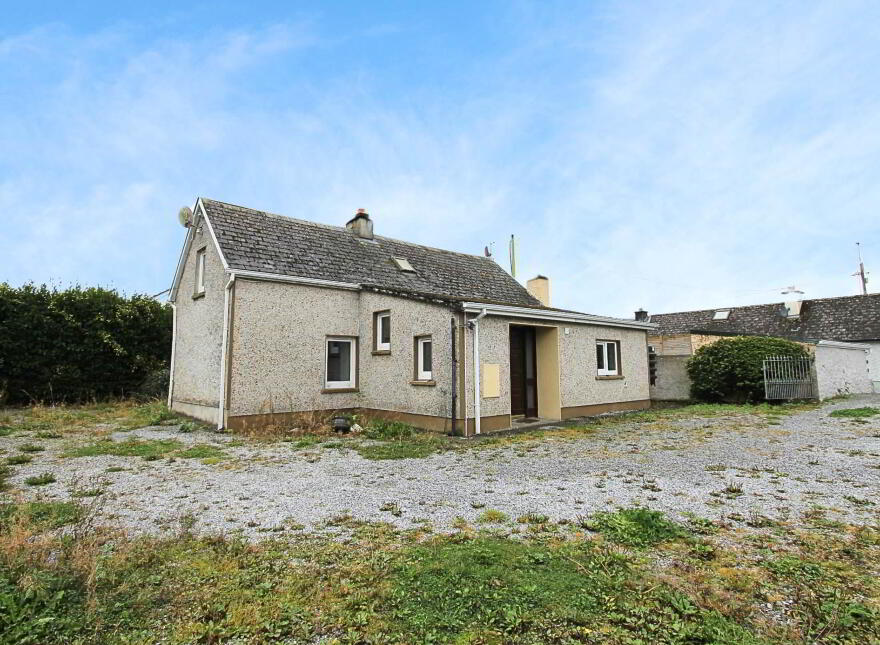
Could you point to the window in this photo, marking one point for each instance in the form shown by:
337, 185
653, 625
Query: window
382, 331
403, 264
424, 362
200, 272
721, 314
341, 363
607, 358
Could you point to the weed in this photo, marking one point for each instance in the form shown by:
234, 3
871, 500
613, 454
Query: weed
383, 430
40, 480
637, 526
31, 447
393, 508
492, 516
533, 518
5, 431
855, 413
17, 460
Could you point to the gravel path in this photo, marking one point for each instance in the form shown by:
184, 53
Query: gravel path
735, 468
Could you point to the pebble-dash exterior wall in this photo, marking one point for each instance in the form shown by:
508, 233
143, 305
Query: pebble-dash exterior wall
198, 334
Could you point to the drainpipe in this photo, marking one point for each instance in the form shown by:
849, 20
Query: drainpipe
475, 323
173, 348
224, 358
454, 375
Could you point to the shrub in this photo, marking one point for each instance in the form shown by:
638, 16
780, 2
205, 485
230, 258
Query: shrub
79, 343
731, 369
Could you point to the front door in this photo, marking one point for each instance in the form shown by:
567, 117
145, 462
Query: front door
523, 372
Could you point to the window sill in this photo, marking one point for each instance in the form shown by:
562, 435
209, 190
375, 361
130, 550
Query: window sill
196, 296
339, 390
616, 377
381, 352
427, 383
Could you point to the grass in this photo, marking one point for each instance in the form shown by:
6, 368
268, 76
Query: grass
383, 585
18, 460
855, 413
146, 448
30, 447
40, 480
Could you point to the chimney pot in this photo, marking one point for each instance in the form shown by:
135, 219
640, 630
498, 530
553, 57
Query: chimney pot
361, 224
642, 315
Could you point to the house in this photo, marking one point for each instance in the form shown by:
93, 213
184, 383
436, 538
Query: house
275, 318
842, 333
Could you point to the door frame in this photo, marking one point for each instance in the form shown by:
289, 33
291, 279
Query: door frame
529, 380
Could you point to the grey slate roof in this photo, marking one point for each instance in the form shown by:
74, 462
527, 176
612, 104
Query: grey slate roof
258, 241
848, 318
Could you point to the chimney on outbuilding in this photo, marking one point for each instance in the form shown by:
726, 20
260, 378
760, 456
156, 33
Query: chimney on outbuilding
539, 287
361, 224
642, 315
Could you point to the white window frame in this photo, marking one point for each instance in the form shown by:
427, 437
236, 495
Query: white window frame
380, 346
200, 271
352, 382
421, 373
604, 371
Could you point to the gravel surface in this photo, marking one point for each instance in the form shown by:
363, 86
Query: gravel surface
733, 468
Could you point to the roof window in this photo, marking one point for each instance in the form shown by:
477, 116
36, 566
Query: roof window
403, 264
721, 314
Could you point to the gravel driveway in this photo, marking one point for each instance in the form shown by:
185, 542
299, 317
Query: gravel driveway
735, 468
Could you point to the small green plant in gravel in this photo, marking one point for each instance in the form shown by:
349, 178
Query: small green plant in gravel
49, 434
639, 527
492, 516
31, 447
17, 460
5, 431
856, 413
40, 480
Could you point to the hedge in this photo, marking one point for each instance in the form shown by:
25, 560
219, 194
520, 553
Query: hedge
79, 344
731, 369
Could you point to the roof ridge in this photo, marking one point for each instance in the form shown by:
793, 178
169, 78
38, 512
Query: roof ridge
766, 304
342, 228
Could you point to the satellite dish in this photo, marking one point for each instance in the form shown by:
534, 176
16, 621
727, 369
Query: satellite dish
185, 216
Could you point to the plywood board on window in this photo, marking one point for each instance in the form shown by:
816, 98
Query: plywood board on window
491, 377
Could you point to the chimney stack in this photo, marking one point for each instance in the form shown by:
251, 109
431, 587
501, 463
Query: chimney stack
642, 315
539, 287
361, 224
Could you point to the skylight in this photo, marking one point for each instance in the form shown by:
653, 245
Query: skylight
403, 264
721, 314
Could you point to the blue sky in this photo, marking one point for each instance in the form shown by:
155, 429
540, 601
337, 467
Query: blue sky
665, 155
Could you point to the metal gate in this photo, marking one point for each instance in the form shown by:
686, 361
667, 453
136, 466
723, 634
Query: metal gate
787, 377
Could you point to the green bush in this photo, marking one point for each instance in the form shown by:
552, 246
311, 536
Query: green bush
731, 369
80, 344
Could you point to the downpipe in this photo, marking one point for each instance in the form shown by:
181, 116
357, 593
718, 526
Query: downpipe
474, 324
224, 353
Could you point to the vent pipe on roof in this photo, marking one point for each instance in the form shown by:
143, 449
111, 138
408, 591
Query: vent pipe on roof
361, 224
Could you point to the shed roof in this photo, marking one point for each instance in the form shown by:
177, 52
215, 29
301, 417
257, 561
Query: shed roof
254, 240
846, 318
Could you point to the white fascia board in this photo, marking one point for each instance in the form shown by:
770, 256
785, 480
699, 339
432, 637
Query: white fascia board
842, 345
276, 277
201, 208
557, 316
